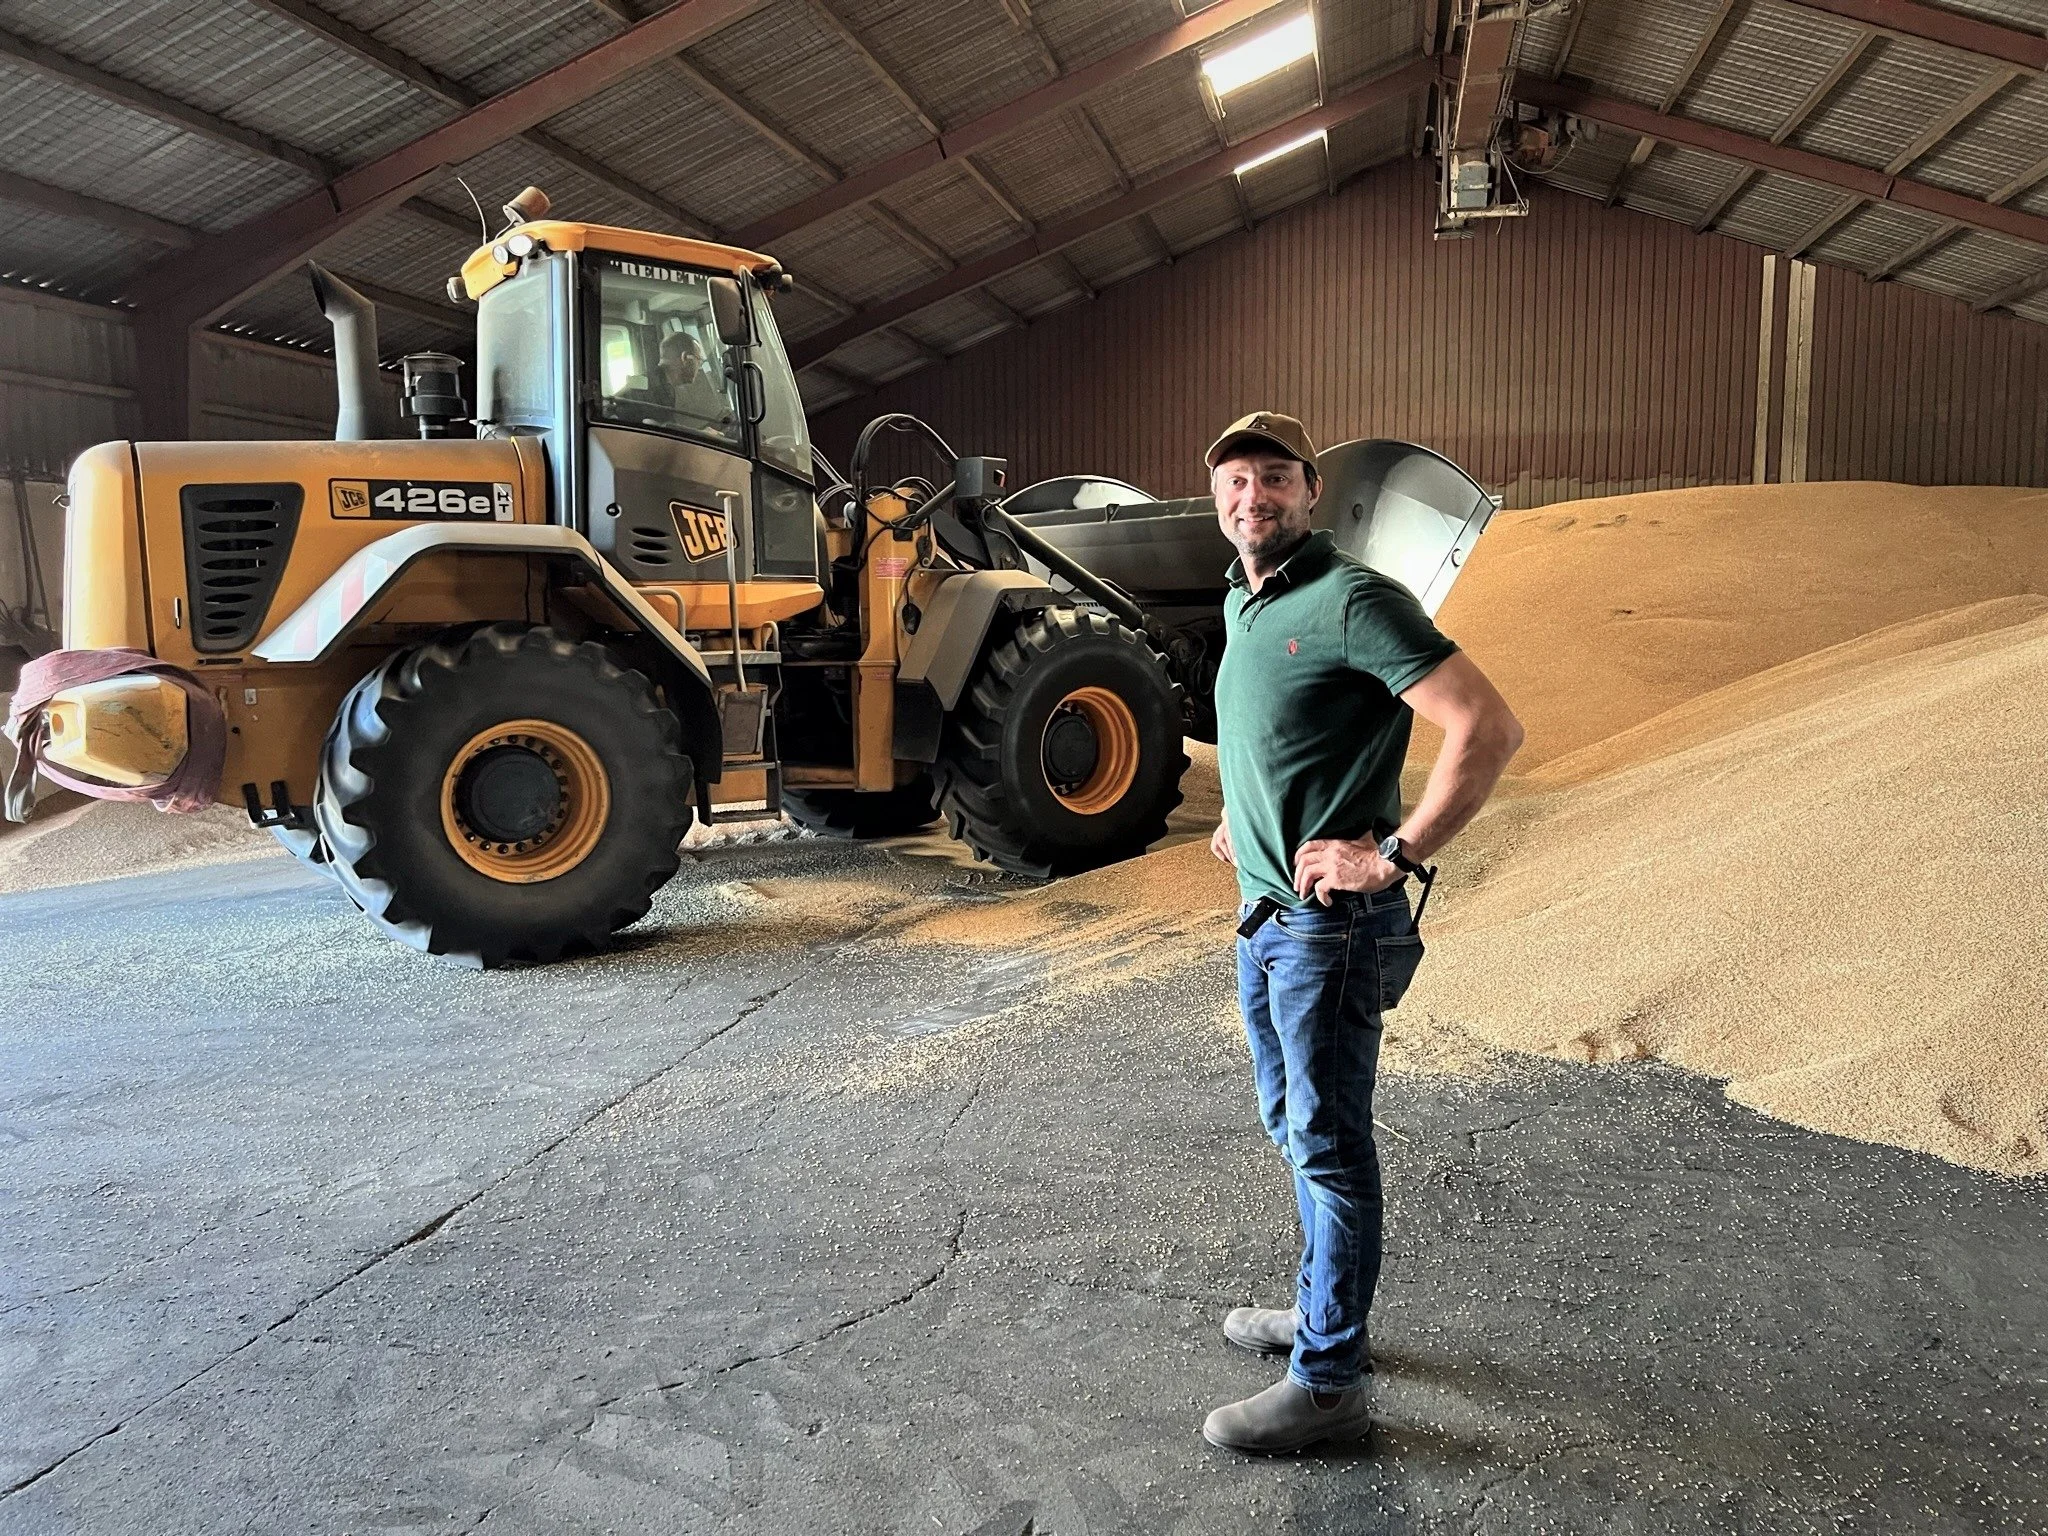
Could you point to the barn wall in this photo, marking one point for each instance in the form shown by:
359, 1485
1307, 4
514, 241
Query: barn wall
1582, 351
1911, 386
68, 380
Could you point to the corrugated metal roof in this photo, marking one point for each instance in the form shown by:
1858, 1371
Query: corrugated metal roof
652, 128
489, 48
1113, 254
787, 62
1872, 234
1197, 218
953, 211
1156, 119
133, 159
1975, 265
1037, 289
1057, 168
2002, 140
957, 58
1901, 87
1636, 51
1771, 56
1377, 136
1360, 41
1767, 67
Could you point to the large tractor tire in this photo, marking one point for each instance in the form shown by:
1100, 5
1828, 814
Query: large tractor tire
1065, 752
306, 846
851, 813
504, 795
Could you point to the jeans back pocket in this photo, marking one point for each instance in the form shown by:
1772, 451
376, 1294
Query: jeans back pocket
1399, 957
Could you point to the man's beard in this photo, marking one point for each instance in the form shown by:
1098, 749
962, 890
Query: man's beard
1267, 538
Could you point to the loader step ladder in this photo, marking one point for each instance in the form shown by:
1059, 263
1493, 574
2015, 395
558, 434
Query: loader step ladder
748, 726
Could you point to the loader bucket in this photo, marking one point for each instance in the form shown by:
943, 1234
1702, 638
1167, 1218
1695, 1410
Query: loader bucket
1404, 510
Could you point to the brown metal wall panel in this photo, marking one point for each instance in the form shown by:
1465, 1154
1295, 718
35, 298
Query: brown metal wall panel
1583, 351
1908, 385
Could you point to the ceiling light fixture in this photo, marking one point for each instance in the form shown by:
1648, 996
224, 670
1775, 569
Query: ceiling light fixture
1285, 149
1257, 57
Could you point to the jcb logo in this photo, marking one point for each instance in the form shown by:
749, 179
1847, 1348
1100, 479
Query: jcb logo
705, 534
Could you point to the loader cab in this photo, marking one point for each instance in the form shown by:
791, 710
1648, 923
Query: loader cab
653, 369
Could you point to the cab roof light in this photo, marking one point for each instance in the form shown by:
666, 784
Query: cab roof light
1237, 66
1284, 149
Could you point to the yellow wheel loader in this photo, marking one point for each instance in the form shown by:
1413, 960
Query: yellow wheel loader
486, 683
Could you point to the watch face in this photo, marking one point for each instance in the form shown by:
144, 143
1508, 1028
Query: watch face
1390, 849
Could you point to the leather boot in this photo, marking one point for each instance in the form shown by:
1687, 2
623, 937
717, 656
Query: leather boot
1262, 1330
1286, 1417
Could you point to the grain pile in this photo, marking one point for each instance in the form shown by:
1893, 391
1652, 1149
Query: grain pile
73, 840
1595, 616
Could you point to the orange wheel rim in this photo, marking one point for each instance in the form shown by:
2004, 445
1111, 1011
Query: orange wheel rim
1115, 768
561, 834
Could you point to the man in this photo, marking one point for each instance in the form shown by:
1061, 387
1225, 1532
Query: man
690, 391
1325, 665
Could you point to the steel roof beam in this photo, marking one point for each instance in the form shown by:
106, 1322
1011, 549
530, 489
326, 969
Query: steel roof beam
381, 55
2031, 176
1876, 185
2025, 288
1909, 18
1137, 203
1019, 12
1683, 83
94, 210
223, 268
836, 25
1824, 88
1820, 228
1941, 234
1645, 147
1997, 80
990, 127
1571, 38
1744, 175
165, 109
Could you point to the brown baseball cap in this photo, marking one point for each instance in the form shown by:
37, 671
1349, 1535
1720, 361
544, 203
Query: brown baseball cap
1284, 434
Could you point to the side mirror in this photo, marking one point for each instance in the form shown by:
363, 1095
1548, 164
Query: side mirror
729, 309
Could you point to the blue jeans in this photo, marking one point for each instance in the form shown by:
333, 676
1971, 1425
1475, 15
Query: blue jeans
1313, 983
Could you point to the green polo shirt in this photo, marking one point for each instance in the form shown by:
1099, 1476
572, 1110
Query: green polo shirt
1311, 730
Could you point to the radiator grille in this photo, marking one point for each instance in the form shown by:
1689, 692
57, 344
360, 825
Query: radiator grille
237, 540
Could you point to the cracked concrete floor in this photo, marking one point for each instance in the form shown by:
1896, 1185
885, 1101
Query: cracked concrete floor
769, 1223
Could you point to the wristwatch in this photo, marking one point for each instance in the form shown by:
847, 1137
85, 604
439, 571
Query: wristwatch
1390, 850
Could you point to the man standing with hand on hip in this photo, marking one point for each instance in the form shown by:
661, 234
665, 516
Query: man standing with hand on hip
1325, 664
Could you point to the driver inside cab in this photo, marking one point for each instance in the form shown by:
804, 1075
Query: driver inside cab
687, 385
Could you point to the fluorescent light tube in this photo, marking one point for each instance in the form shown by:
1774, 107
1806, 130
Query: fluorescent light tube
1285, 149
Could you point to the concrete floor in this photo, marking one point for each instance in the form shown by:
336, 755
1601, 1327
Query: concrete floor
766, 1223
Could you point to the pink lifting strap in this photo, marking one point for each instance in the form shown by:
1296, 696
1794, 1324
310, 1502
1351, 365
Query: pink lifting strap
191, 785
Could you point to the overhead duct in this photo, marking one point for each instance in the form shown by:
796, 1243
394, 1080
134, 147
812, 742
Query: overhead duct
1474, 179
359, 412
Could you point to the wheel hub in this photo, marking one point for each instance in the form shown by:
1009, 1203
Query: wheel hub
510, 794
1071, 750
525, 801
1089, 752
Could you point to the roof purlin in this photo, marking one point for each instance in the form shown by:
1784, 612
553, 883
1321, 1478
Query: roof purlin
1411, 76
1824, 170
991, 126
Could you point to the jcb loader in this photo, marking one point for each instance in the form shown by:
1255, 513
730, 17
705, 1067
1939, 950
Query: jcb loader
486, 684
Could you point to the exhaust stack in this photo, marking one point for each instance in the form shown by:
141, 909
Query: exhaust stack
359, 414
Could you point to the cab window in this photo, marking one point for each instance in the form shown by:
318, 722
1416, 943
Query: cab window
660, 364
785, 440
